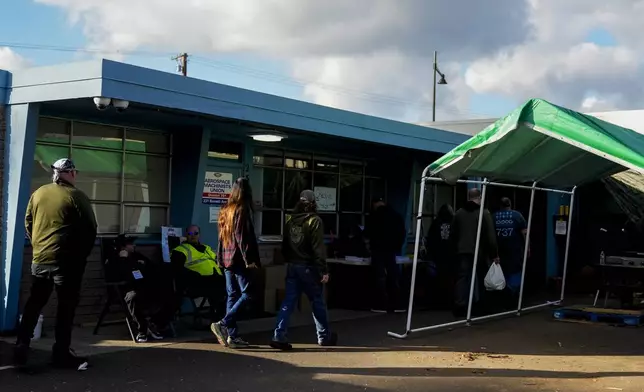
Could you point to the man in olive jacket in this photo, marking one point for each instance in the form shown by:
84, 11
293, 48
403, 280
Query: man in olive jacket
304, 252
62, 227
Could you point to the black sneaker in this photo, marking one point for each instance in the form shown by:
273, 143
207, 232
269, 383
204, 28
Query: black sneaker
69, 360
20, 355
331, 341
282, 346
141, 338
154, 333
237, 343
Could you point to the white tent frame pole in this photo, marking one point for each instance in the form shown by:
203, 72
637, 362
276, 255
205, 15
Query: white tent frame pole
484, 184
526, 247
565, 266
476, 250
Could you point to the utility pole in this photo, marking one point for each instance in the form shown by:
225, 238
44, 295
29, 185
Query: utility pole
182, 63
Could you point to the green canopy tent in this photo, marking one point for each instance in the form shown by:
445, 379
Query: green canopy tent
538, 146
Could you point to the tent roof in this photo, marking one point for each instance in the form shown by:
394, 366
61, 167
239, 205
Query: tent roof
543, 142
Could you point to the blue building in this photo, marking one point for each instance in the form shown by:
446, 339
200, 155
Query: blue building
146, 149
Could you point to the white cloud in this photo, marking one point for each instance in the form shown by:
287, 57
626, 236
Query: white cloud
557, 64
375, 56
10, 60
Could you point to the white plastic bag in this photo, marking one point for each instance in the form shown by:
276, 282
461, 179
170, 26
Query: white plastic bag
494, 280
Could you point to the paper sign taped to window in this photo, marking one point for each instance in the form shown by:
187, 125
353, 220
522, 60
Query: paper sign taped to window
325, 198
214, 214
561, 227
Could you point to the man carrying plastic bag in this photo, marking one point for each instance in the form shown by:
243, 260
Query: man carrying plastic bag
464, 232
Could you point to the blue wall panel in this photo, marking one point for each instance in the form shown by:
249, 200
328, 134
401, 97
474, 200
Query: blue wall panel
20, 144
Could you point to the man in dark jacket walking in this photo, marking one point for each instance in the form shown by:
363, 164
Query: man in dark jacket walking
62, 227
304, 252
386, 233
464, 231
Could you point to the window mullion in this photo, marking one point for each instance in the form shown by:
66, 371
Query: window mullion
123, 163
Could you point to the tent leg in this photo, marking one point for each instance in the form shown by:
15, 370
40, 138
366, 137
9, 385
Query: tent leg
476, 250
565, 267
527, 246
419, 221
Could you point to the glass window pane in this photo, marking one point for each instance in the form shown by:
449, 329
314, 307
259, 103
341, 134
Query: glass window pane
108, 217
372, 168
296, 160
269, 158
271, 188
376, 187
329, 221
326, 164
99, 173
146, 178
225, 150
43, 158
148, 220
271, 222
53, 130
325, 180
146, 141
95, 135
295, 183
347, 167
349, 222
351, 194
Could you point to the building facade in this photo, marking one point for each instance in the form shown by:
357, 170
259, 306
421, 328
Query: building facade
153, 156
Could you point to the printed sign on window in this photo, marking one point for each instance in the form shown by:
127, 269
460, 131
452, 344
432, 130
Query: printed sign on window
325, 198
217, 188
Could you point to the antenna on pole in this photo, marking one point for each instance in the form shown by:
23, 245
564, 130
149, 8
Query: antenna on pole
182, 63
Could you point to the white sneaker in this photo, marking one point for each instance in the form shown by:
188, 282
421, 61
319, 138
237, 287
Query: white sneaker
220, 332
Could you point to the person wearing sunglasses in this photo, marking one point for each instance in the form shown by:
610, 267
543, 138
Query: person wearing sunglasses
197, 272
239, 254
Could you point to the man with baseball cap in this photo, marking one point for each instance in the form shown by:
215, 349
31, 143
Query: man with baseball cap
304, 252
61, 226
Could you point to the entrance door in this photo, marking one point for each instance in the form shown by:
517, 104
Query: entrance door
218, 180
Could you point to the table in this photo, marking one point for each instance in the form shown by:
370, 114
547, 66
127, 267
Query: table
351, 283
622, 280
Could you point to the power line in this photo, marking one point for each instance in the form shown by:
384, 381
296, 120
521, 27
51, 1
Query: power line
366, 96
182, 62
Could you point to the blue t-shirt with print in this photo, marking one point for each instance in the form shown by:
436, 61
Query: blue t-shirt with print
509, 225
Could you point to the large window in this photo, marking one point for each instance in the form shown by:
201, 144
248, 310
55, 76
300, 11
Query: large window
125, 172
343, 187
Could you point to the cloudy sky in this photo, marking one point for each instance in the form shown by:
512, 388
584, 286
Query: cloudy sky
370, 56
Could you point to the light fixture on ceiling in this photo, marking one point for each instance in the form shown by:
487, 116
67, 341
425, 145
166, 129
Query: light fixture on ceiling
268, 137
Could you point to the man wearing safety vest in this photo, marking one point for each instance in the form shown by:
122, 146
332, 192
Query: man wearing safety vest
197, 271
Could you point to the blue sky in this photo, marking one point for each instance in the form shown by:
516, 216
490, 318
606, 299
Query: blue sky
50, 26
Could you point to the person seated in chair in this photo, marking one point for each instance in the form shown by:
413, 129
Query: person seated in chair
197, 272
141, 295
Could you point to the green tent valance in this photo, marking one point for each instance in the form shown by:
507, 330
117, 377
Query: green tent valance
543, 142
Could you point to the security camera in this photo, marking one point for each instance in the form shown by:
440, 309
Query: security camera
120, 105
102, 103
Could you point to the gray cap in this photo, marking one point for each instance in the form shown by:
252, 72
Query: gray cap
63, 165
307, 196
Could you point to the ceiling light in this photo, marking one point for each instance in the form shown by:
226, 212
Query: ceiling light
268, 137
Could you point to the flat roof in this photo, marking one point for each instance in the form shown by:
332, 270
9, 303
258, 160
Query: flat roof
162, 89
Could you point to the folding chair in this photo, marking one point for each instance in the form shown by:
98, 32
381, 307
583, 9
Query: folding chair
115, 291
